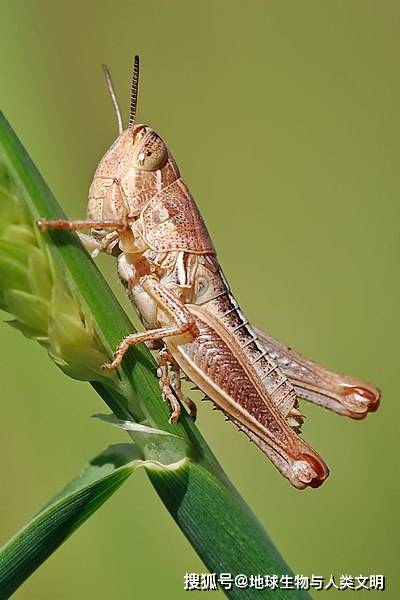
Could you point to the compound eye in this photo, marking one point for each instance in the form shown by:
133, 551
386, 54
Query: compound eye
152, 153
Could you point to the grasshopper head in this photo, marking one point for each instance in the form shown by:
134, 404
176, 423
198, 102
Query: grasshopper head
137, 166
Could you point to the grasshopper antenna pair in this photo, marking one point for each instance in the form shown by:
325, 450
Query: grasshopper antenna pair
134, 94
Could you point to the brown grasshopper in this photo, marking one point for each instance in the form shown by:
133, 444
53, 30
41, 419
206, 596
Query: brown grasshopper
141, 211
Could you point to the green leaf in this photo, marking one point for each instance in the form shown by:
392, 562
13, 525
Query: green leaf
156, 444
49, 528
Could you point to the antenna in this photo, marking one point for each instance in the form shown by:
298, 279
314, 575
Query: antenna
134, 92
113, 95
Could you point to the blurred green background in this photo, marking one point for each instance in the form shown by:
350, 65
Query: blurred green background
284, 119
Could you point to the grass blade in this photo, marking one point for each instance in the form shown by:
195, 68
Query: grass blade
47, 530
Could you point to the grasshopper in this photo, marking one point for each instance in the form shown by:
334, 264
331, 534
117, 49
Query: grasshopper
141, 211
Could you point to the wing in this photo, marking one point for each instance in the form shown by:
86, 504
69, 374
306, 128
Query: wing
343, 394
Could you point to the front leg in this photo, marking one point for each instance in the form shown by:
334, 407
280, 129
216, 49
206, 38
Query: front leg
106, 244
166, 301
65, 225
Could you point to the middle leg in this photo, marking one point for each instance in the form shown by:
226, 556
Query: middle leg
165, 385
182, 320
174, 384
